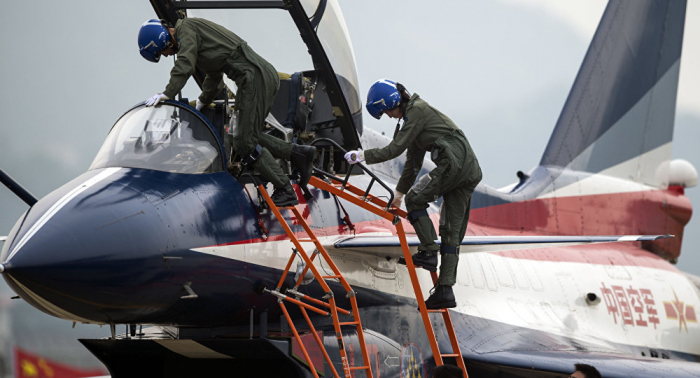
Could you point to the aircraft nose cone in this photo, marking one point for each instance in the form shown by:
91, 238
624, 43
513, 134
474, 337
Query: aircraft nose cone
70, 247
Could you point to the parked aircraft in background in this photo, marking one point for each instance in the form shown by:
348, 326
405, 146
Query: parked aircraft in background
158, 233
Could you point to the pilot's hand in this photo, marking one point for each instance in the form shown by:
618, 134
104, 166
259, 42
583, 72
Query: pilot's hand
398, 198
199, 105
156, 98
355, 156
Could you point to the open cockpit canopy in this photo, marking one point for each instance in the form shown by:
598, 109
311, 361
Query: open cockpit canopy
328, 83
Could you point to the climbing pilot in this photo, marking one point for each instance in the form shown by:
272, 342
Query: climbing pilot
425, 129
215, 50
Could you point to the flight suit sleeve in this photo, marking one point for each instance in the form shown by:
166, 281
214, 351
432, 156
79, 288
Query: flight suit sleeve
414, 162
185, 62
212, 85
402, 140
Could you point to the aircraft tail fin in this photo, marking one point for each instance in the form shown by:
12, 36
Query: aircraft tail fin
618, 118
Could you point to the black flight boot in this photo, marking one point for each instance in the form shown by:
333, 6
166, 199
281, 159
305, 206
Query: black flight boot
303, 159
441, 296
428, 260
285, 196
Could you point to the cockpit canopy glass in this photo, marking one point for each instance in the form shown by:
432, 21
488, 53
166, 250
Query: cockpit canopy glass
164, 138
334, 36
273, 35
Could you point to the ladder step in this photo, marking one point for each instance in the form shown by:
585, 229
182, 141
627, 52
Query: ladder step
349, 323
449, 355
359, 368
440, 310
306, 240
327, 277
324, 304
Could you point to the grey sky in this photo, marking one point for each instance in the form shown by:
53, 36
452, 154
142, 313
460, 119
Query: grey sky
500, 69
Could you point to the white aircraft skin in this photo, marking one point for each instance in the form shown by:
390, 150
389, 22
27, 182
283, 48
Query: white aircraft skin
532, 287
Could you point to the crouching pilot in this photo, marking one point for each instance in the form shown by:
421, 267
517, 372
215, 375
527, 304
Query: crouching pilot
215, 50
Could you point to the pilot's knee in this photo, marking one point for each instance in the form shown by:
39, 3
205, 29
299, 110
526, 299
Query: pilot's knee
414, 202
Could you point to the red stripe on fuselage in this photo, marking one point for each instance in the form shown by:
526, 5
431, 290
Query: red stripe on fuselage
637, 213
651, 212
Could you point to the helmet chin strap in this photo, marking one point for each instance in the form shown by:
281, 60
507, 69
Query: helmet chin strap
396, 130
402, 104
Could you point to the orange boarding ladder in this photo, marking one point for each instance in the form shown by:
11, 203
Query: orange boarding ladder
328, 302
382, 208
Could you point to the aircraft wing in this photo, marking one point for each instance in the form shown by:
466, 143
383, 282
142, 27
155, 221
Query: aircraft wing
3, 238
493, 348
390, 246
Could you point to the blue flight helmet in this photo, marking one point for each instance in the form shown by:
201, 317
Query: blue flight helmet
153, 38
383, 95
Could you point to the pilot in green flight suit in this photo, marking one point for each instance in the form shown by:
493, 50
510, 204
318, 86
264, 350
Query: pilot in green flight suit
425, 129
215, 50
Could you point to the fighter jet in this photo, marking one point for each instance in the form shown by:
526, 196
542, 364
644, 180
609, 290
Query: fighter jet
573, 263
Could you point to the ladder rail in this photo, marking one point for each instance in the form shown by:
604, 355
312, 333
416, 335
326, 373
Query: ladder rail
364, 194
349, 173
286, 271
383, 209
419, 295
344, 283
325, 254
456, 350
306, 269
288, 230
319, 342
390, 216
315, 301
298, 338
347, 371
351, 193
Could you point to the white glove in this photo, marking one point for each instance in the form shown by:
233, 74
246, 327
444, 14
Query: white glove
156, 99
398, 198
199, 105
355, 156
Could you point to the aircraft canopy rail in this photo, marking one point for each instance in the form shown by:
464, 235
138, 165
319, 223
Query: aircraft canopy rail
322, 29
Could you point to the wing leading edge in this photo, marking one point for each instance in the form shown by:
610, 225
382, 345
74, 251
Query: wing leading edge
390, 246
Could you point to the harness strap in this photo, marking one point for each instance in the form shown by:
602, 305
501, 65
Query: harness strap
449, 249
253, 156
414, 215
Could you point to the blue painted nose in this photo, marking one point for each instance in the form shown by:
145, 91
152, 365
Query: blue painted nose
81, 250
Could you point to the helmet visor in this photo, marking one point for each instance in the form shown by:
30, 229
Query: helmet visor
375, 110
151, 52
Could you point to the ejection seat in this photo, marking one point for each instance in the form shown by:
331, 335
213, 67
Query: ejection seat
288, 119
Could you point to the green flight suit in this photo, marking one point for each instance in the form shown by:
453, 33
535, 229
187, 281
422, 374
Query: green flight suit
217, 51
426, 129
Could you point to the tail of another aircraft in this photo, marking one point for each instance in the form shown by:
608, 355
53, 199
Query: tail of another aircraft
606, 168
618, 119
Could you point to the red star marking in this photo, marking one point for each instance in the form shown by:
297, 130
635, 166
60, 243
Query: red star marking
681, 317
